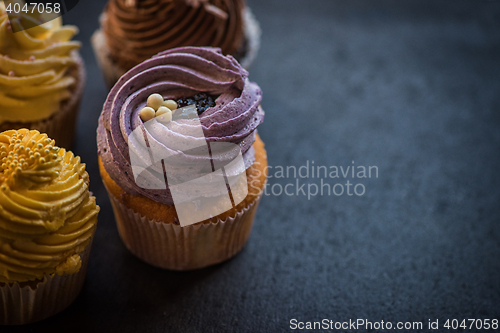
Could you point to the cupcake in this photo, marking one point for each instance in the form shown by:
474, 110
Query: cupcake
41, 76
177, 134
47, 221
135, 30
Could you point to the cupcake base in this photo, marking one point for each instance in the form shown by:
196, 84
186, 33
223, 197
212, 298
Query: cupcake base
173, 247
252, 40
62, 124
29, 302
112, 72
149, 229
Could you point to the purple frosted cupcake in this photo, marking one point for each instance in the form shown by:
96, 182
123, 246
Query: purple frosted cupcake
180, 102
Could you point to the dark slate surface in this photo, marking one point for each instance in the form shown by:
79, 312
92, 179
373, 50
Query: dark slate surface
411, 87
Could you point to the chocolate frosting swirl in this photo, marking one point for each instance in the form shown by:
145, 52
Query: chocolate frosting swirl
177, 73
139, 29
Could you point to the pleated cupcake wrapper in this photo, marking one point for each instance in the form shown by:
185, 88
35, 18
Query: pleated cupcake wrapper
112, 72
24, 305
171, 246
61, 125
252, 34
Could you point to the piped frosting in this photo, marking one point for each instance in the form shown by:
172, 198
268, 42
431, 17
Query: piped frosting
138, 29
178, 73
47, 215
34, 67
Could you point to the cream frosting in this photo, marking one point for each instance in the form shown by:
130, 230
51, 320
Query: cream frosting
34, 63
47, 215
139, 29
177, 73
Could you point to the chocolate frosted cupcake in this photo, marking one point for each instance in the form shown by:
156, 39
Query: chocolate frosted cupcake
47, 221
41, 76
135, 30
181, 125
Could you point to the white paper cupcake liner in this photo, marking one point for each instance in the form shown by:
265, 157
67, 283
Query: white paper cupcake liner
252, 35
173, 247
21, 305
112, 72
61, 125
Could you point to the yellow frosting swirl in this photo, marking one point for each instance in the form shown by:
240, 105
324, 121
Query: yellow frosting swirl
34, 63
47, 216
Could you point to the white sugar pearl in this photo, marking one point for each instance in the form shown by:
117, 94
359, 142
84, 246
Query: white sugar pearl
164, 114
147, 113
171, 104
162, 110
155, 101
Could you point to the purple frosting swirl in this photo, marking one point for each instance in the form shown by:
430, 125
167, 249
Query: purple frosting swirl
176, 73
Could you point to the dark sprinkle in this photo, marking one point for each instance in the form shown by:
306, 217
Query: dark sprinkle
202, 101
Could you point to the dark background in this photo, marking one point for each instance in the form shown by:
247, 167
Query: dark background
409, 86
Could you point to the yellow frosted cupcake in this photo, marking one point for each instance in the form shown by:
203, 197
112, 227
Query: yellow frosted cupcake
47, 221
41, 76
